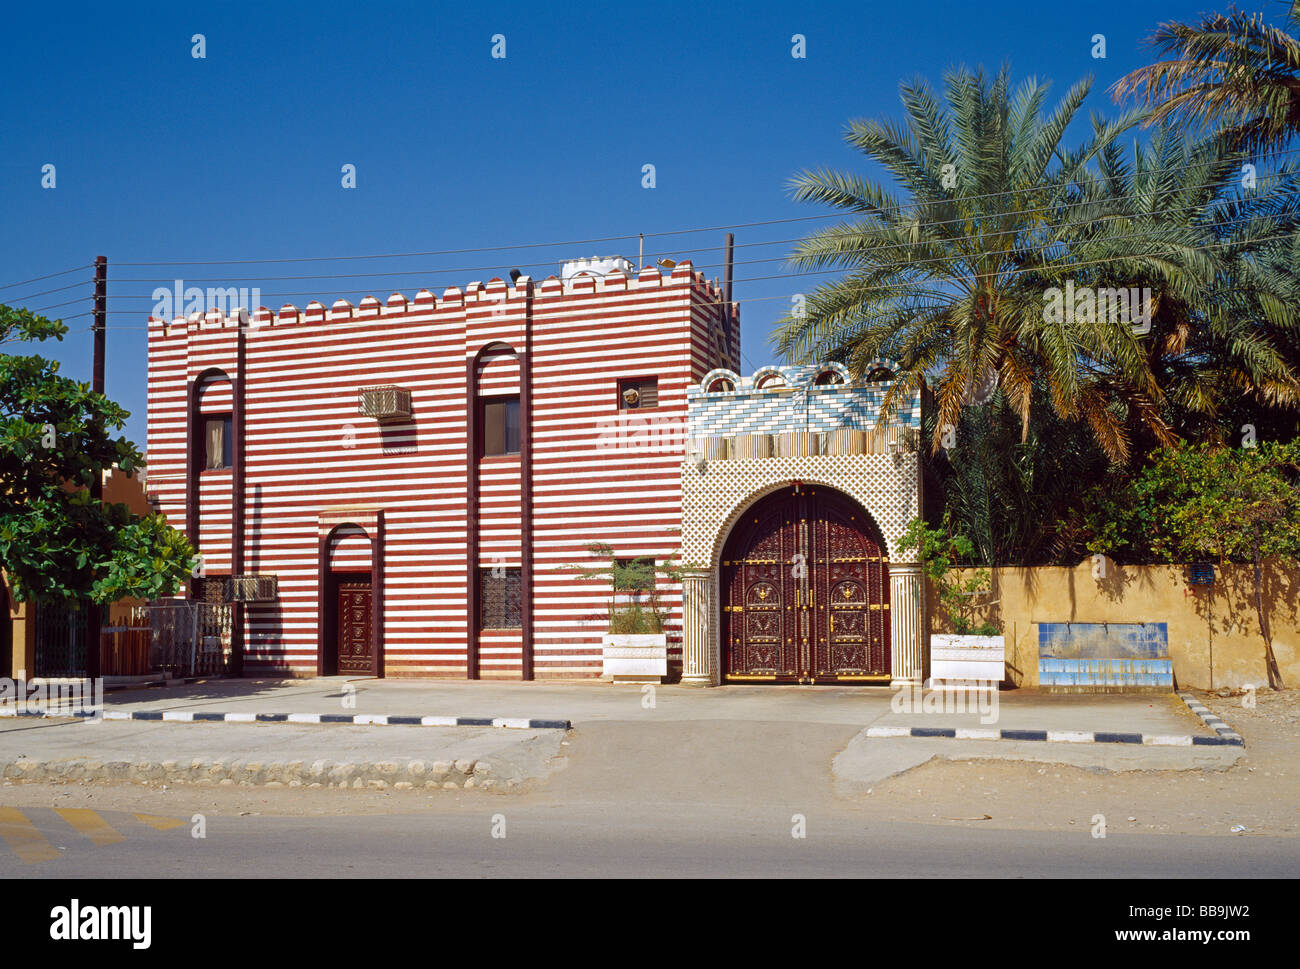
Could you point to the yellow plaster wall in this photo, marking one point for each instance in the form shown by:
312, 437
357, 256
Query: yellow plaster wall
1214, 637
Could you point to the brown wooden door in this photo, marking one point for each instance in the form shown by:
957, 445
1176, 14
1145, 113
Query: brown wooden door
354, 630
805, 592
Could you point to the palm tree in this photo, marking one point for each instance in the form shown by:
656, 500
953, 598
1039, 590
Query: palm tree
1173, 217
952, 282
1234, 69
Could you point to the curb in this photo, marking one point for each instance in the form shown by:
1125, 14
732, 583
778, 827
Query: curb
1211, 719
369, 719
1225, 736
461, 775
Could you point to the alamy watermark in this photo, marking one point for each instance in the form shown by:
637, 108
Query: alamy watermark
645, 435
182, 300
1129, 306
71, 697
982, 699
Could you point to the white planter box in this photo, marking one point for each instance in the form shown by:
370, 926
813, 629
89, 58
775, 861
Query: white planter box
639, 658
965, 661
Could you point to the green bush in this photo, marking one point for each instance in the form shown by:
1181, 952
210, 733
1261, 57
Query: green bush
634, 619
939, 550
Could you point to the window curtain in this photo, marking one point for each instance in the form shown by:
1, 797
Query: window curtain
215, 444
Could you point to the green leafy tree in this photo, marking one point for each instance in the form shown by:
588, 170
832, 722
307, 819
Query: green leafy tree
1235, 70
939, 551
1198, 502
56, 440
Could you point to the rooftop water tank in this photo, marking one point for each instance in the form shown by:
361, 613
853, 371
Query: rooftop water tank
598, 266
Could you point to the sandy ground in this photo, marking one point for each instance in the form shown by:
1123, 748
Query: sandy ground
1261, 793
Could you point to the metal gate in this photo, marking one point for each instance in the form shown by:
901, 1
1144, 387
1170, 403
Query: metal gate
62, 632
190, 638
805, 592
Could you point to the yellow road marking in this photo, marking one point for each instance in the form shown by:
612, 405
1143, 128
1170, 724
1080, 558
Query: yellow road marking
160, 822
90, 824
27, 843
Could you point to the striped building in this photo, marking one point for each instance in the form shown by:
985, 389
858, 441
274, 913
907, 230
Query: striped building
397, 487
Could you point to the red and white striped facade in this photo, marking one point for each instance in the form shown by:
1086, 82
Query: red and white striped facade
325, 489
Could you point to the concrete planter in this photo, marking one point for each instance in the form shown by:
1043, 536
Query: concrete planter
640, 658
963, 662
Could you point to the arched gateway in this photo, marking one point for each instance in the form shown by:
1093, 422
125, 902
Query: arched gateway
804, 583
795, 494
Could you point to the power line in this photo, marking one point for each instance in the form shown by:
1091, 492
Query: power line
864, 290
79, 299
19, 299
37, 279
911, 263
473, 269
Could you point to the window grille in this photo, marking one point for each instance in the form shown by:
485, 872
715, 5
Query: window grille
499, 598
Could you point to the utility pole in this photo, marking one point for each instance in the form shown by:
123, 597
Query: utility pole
99, 318
726, 292
101, 300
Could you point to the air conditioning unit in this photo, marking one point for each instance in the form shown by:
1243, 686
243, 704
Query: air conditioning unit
384, 403
252, 588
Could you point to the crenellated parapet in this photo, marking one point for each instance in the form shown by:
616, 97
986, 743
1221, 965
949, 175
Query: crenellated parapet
496, 296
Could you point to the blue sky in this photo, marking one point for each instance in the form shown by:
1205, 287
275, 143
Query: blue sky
160, 156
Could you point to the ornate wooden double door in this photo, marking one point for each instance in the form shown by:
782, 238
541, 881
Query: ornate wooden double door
805, 592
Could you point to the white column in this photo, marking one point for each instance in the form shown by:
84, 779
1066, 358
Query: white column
699, 629
907, 632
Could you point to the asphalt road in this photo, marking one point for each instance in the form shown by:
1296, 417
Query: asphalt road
660, 840
679, 799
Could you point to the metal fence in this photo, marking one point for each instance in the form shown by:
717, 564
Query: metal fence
190, 638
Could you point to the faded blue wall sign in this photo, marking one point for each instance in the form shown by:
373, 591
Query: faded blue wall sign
1104, 654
